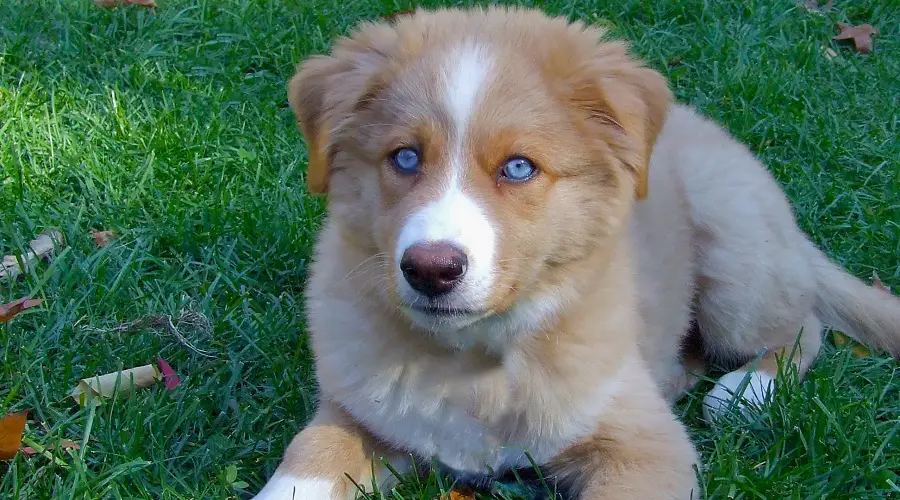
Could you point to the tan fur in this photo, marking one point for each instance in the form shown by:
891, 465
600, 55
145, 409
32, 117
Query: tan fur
585, 335
333, 437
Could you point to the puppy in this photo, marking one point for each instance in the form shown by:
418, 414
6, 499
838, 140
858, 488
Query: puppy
521, 230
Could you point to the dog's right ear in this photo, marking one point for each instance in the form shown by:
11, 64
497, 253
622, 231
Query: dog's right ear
327, 89
306, 95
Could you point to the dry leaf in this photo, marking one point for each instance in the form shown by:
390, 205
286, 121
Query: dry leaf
233, 404
9, 311
458, 495
39, 248
64, 444
876, 283
813, 5
12, 426
396, 15
861, 36
170, 378
101, 238
858, 350
104, 386
110, 4
841, 340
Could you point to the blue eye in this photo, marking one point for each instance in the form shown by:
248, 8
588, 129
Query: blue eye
518, 169
406, 160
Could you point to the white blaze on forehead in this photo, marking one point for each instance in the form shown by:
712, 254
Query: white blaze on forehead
455, 217
465, 78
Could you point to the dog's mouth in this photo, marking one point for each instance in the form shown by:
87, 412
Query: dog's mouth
444, 311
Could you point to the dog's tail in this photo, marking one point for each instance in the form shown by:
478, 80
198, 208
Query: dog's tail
866, 313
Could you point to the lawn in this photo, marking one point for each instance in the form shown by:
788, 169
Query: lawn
172, 130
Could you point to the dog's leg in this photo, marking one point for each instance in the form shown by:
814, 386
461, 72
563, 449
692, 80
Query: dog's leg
639, 451
319, 460
756, 302
688, 373
754, 382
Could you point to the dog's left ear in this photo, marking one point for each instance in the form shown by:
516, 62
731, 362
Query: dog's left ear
645, 117
618, 91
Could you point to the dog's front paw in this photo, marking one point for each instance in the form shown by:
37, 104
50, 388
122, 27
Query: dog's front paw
286, 487
736, 391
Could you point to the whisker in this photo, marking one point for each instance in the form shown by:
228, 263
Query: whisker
363, 263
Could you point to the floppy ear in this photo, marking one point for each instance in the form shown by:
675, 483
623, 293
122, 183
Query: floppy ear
306, 95
327, 89
619, 92
644, 117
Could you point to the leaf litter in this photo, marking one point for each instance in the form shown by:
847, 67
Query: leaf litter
12, 426
111, 4
39, 248
102, 238
115, 383
12, 309
861, 36
186, 321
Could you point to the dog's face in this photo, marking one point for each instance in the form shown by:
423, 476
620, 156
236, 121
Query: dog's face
481, 157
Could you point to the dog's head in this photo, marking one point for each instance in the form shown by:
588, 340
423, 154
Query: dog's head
480, 155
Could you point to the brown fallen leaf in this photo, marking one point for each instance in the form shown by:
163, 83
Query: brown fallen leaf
12, 426
841, 340
104, 386
233, 404
39, 248
458, 495
64, 444
110, 4
876, 283
397, 15
9, 311
101, 238
858, 350
861, 36
814, 6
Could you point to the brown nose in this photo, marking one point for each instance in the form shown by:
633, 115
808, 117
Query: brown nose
433, 268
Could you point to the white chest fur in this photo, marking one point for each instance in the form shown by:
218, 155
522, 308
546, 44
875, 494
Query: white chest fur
474, 424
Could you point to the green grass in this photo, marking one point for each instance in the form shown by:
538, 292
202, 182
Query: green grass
172, 129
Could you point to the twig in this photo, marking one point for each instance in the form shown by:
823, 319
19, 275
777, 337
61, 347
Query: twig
189, 320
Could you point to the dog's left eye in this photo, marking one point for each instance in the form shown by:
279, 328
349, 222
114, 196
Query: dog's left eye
517, 169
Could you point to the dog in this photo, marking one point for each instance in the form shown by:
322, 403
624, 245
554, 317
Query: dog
522, 230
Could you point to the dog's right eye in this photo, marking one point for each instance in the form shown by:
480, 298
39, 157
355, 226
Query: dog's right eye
406, 160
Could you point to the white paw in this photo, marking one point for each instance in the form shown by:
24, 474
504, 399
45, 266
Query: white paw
284, 487
725, 395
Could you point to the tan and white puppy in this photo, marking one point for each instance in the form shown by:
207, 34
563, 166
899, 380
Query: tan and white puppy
497, 275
